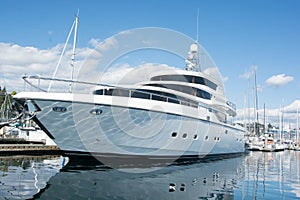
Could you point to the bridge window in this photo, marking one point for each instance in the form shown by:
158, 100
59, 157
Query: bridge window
187, 79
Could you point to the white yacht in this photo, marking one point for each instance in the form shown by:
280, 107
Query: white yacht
175, 113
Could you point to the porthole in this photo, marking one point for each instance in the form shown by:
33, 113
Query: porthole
172, 187
182, 187
195, 137
174, 134
226, 131
96, 111
206, 137
59, 109
184, 135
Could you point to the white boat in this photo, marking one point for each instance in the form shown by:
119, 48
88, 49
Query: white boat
174, 113
255, 145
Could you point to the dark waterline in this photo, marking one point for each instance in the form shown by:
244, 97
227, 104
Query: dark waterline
256, 175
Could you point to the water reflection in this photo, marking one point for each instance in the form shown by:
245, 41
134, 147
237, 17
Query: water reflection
256, 175
211, 179
23, 176
273, 175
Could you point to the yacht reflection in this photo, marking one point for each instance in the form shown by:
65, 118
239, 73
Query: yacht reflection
205, 179
23, 176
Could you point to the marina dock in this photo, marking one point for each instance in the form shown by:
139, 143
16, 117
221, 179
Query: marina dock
28, 149
15, 146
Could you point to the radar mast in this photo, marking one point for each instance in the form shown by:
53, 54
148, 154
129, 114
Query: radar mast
192, 60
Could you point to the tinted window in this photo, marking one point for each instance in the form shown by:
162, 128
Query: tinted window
141, 95
186, 78
98, 92
185, 89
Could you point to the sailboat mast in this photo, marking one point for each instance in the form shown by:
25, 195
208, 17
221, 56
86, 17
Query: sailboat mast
73, 53
255, 104
297, 125
280, 124
264, 118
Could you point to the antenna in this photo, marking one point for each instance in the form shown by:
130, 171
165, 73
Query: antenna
197, 25
192, 61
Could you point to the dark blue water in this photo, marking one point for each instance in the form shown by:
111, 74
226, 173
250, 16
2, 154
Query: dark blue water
256, 175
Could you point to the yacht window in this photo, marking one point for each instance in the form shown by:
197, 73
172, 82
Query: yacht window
148, 94
186, 78
59, 109
184, 135
108, 92
121, 92
174, 134
158, 97
185, 89
173, 100
141, 95
98, 92
96, 111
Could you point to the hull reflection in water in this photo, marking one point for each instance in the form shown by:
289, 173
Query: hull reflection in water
259, 175
24, 176
198, 180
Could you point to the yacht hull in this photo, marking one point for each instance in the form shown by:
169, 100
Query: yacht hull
107, 129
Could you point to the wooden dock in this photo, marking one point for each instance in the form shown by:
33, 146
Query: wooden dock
29, 149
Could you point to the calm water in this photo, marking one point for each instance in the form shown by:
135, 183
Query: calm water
256, 175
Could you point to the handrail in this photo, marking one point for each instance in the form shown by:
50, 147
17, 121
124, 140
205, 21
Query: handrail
38, 77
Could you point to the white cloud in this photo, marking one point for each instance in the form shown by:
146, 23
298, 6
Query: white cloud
247, 75
126, 74
108, 44
16, 60
294, 107
94, 42
279, 80
13, 54
289, 113
225, 79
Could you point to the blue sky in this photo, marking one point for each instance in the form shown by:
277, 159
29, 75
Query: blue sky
236, 33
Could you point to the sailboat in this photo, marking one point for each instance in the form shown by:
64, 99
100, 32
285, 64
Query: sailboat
255, 143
